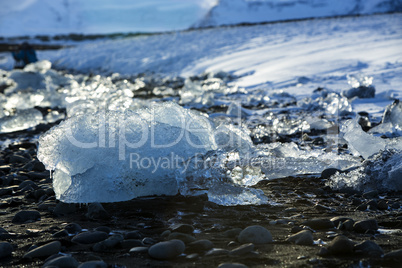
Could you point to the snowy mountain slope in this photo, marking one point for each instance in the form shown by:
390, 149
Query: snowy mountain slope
228, 12
296, 57
50, 17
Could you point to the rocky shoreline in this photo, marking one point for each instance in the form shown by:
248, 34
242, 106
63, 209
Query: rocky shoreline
307, 225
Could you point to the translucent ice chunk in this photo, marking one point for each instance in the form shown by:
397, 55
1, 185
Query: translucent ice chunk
39, 66
195, 95
25, 80
357, 80
54, 116
224, 176
382, 171
279, 160
391, 125
21, 120
363, 143
116, 156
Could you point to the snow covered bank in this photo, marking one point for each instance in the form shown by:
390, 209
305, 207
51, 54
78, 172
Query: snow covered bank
230, 12
297, 57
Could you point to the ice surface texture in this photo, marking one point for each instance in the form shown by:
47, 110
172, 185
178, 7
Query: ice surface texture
115, 156
382, 171
20, 120
364, 143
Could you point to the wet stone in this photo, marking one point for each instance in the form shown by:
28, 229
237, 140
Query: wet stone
327, 173
200, 245
5, 250
341, 245
217, 252
370, 194
339, 219
109, 243
395, 255
18, 159
183, 228
44, 250
167, 250
369, 248
255, 234
139, 250
382, 205
26, 216
232, 233
131, 243
362, 207
347, 225
148, 241
89, 237
62, 261
61, 233
366, 225
243, 249
73, 228
93, 264
133, 235
372, 205
104, 229
304, 237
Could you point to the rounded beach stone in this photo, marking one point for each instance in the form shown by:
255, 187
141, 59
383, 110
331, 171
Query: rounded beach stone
183, 228
200, 245
44, 250
167, 250
63, 261
369, 248
255, 234
366, 225
5, 250
26, 216
341, 245
304, 237
73, 228
90, 237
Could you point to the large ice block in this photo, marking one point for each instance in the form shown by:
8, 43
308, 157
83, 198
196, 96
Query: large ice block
115, 156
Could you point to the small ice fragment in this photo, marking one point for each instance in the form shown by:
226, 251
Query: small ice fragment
39, 66
25, 80
54, 116
21, 120
359, 141
391, 124
361, 86
357, 80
